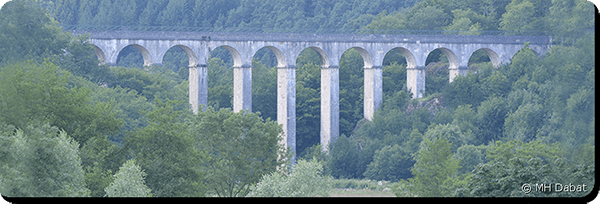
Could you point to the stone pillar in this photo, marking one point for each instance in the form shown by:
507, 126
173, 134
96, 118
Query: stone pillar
453, 73
286, 106
198, 87
330, 106
415, 81
242, 88
373, 91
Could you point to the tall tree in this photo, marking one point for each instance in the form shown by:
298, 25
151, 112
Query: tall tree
238, 149
129, 182
166, 152
40, 161
26, 32
151, 12
434, 168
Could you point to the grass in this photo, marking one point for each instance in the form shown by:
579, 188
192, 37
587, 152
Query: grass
360, 188
337, 192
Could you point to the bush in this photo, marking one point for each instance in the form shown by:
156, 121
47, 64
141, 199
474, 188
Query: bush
305, 180
129, 182
390, 163
360, 184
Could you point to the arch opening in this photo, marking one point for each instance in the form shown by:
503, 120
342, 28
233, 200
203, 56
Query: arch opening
308, 99
100, 54
324, 58
351, 84
220, 78
437, 69
394, 75
366, 56
236, 58
264, 73
481, 57
134, 55
179, 58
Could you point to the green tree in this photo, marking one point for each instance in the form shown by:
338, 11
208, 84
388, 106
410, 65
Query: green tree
469, 157
427, 16
464, 118
171, 14
239, 148
351, 90
384, 22
515, 163
151, 12
129, 182
220, 83
466, 20
264, 90
26, 32
165, 150
464, 90
451, 133
434, 169
523, 123
40, 161
490, 118
308, 106
80, 59
390, 163
343, 158
367, 150
30, 92
524, 15
305, 179
569, 20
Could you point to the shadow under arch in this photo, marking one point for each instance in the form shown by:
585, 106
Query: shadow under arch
100, 54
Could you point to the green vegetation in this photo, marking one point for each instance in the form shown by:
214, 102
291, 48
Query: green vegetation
70, 126
305, 179
129, 182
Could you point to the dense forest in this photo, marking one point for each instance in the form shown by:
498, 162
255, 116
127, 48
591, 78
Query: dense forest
71, 126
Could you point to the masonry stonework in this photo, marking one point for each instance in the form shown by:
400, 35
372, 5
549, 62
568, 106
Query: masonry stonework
287, 47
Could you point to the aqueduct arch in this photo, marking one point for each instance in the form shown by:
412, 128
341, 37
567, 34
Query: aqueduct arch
287, 47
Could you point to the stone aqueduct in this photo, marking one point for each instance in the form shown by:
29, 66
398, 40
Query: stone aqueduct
287, 47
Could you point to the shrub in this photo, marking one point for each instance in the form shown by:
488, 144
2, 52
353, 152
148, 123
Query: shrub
305, 180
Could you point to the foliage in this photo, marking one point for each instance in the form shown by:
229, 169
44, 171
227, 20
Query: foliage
514, 164
237, 148
343, 159
38, 160
540, 99
390, 163
264, 89
167, 154
305, 179
26, 32
351, 90
31, 92
451, 133
469, 157
434, 169
308, 103
129, 182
